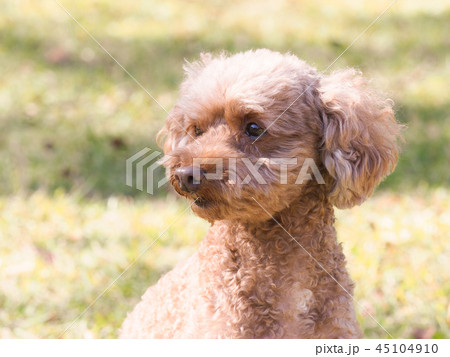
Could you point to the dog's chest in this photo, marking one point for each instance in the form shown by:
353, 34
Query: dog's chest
261, 295
296, 306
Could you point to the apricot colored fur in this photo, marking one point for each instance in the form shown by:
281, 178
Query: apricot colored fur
251, 279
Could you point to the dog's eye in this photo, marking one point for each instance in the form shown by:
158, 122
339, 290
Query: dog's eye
254, 130
197, 131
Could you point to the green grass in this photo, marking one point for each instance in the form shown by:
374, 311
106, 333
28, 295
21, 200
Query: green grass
59, 252
70, 117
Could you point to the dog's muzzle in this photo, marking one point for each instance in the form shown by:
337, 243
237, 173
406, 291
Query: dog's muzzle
188, 180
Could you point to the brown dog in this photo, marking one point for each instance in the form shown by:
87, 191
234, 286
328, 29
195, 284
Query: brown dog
270, 265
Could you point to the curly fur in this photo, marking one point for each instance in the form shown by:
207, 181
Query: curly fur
250, 279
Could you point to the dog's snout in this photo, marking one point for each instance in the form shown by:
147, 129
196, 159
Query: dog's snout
189, 179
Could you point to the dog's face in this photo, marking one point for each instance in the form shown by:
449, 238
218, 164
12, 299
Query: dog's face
245, 126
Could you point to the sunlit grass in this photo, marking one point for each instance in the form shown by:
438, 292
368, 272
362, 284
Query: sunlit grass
398, 253
58, 253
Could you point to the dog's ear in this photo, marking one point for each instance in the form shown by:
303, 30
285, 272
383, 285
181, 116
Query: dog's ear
359, 142
172, 133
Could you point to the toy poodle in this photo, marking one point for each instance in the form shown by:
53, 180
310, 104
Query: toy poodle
284, 144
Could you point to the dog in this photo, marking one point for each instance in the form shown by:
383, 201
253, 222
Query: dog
270, 265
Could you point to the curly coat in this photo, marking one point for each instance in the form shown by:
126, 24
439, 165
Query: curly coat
270, 265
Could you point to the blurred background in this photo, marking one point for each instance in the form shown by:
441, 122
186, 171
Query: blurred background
70, 117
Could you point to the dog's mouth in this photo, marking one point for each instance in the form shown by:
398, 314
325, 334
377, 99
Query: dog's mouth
198, 199
202, 202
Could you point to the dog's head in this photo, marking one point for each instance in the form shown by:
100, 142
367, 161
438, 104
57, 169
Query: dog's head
255, 128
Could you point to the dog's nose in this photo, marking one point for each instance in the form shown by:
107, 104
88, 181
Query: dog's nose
188, 180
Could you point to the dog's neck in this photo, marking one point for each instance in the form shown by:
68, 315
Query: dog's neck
305, 219
303, 230
275, 264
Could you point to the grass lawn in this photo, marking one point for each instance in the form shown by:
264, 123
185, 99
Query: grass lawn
70, 117
59, 252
